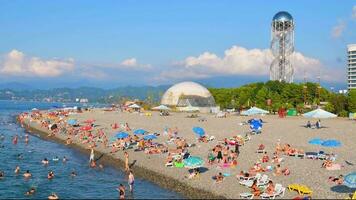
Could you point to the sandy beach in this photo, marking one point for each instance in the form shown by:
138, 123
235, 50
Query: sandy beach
289, 130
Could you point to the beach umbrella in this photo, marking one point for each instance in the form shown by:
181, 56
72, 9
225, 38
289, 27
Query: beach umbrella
319, 113
254, 111
316, 141
140, 132
134, 106
331, 143
193, 162
150, 137
190, 109
255, 124
85, 128
199, 131
72, 121
121, 135
161, 107
350, 180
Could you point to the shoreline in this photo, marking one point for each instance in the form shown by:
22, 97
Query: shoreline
160, 179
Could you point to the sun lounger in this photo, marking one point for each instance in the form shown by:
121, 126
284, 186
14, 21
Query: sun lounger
248, 181
246, 195
301, 189
279, 191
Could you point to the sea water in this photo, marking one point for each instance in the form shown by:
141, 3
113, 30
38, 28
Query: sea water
88, 184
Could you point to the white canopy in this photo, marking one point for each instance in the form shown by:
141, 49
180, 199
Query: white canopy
254, 111
190, 109
161, 107
134, 106
319, 113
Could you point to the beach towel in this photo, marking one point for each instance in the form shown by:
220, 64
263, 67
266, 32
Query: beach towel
334, 167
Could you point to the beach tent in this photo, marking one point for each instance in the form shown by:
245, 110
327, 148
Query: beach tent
121, 135
150, 137
316, 141
292, 112
161, 107
193, 162
331, 143
190, 109
254, 111
72, 122
199, 131
350, 180
140, 132
319, 113
135, 106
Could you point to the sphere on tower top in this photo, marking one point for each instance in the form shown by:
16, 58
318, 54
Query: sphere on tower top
282, 16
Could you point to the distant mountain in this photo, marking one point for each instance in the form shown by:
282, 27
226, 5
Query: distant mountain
15, 86
91, 93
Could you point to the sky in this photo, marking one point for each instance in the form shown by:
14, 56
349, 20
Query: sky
128, 42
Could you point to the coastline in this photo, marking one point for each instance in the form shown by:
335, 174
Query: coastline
144, 173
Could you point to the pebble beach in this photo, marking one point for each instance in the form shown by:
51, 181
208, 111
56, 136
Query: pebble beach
289, 130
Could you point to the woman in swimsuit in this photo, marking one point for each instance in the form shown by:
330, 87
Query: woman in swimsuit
255, 190
131, 180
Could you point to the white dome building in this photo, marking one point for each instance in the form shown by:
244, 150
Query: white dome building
189, 94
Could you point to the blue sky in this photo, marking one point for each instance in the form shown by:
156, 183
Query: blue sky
116, 43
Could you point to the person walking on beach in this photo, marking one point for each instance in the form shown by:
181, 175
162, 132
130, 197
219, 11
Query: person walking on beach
91, 158
131, 180
127, 168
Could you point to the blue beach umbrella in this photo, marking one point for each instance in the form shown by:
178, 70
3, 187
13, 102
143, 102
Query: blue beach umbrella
121, 135
316, 141
72, 121
350, 180
255, 124
199, 131
331, 143
150, 137
193, 162
140, 132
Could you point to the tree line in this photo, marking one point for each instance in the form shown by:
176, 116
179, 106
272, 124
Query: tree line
273, 95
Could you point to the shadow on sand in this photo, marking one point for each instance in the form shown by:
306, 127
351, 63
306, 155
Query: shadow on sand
342, 189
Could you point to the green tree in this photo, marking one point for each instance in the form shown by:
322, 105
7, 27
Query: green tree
352, 100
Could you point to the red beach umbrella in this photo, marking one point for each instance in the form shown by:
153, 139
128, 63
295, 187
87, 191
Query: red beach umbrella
85, 128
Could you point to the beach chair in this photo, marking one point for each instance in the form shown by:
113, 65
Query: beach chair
246, 195
321, 155
263, 181
352, 196
248, 181
279, 191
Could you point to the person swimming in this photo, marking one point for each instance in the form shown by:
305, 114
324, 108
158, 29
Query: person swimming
73, 174
50, 175
53, 196
55, 159
31, 191
2, 174
19, 156
17, 170
64, 159
27, 174
45, 161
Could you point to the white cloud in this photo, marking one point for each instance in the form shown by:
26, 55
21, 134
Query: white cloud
354, 12
16, 63
132, 63
240, 61
337, 30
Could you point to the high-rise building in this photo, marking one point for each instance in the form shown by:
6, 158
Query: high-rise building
282, 47
351, 66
